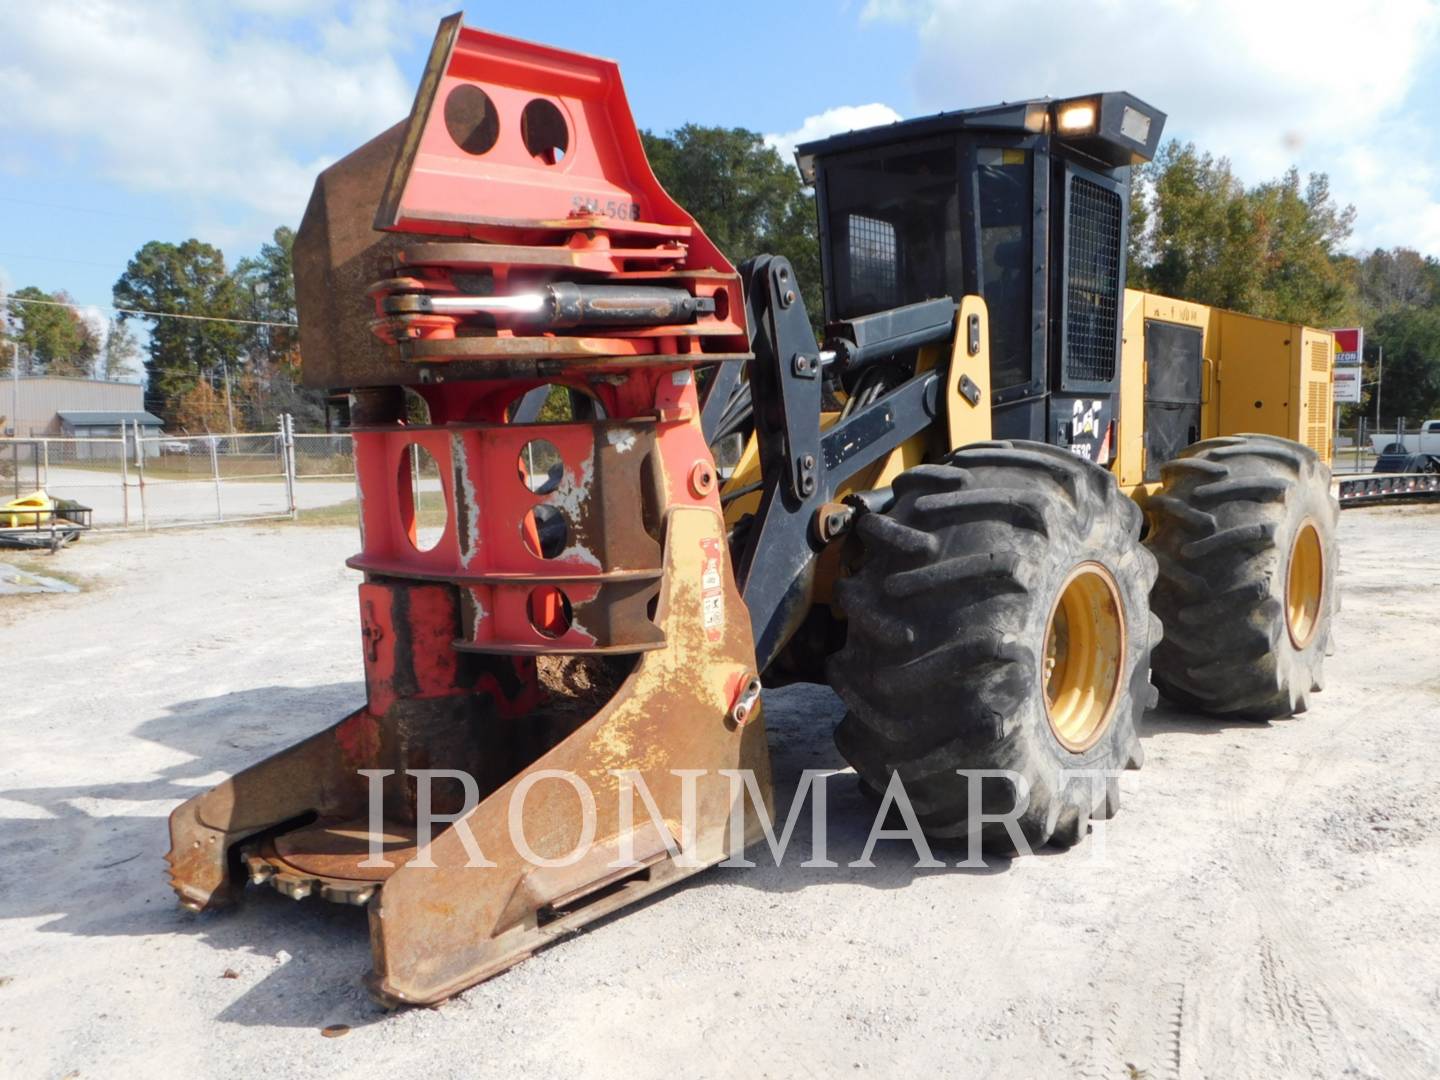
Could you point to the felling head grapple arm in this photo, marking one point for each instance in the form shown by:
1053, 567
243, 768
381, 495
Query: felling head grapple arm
520, 242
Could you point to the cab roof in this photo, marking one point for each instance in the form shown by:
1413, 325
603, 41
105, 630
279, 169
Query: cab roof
1119, 115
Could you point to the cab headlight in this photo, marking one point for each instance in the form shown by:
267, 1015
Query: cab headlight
1077, 118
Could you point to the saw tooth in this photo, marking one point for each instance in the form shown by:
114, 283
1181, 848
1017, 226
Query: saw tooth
297, 888
256, 865
359, 895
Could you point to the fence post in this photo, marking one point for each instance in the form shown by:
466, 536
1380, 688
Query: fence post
287, 445
124, 481
215, 472
45, 450
140, 473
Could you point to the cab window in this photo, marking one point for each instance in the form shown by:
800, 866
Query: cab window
894, 225
1006, 190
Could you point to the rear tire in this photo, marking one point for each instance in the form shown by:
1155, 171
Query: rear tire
950, 616
1237, 530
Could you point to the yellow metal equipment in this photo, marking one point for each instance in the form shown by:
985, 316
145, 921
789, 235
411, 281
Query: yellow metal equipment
660, 487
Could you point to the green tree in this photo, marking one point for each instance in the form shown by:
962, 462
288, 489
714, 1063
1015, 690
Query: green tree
1410, 337
1300, 232
122, 351
1136, 272
184, 279
1198, 240
1272, 250
55, 340
7, 354
267, 285
267, 282
1398, 278
746, 198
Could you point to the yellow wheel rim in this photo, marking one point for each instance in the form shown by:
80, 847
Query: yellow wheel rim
1084, 657
1305, 585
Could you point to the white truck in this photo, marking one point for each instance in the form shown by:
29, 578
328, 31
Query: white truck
1424, 441
1403, 452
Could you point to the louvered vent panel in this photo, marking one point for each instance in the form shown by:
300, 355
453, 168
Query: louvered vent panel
1317, 426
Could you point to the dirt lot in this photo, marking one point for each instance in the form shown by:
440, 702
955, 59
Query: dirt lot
1264, 905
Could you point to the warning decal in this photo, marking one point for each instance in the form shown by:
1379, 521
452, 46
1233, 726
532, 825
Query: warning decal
712, 588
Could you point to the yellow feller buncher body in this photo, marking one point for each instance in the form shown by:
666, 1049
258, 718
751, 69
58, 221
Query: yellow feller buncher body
1235, 373
609, 481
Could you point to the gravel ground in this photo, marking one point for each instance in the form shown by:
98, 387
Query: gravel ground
1264, 904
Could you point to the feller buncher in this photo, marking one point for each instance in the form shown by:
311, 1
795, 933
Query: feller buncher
966, 506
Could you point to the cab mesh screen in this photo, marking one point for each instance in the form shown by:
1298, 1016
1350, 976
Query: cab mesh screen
1093, 291
874, 272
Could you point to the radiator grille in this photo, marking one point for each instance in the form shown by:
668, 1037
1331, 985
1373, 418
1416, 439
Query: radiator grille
1317, 424
1092, 294
1320, 357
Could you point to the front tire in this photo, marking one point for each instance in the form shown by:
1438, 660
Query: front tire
1244, 532
999, 620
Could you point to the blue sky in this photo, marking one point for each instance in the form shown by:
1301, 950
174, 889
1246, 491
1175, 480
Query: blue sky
73, 209
122, 123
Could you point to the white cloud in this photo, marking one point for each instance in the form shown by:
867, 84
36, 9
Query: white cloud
240, 103
1322, 84
834, 121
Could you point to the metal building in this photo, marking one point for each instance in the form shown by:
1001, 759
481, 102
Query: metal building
32, 404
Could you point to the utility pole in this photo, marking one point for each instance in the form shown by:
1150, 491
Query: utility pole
1379, 385
15, 383
229, 407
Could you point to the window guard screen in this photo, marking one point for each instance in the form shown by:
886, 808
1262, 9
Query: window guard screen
1092, 293
873, 270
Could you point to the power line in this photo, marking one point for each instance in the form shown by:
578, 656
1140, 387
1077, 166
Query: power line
55, 258
86, 209
156, 314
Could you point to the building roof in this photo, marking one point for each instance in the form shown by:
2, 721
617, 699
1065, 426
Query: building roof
110, 419
71, 379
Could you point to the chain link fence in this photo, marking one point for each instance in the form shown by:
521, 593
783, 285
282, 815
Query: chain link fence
137, 481
324, 457
1359, 443
133, 480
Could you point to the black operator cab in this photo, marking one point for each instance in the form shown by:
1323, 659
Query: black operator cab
1025, 204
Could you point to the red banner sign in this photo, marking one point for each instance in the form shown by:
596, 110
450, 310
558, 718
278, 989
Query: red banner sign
1349, 346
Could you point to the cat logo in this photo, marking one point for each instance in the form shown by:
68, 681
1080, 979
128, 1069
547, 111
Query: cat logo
1085, 418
